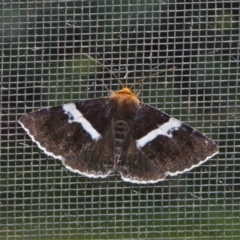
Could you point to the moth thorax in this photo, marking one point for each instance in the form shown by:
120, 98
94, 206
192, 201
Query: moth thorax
120, 129
124, 104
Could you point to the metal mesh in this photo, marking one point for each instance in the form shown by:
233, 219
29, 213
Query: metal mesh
42, 65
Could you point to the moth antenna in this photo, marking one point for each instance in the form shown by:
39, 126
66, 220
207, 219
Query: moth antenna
121, 83
112, 73
143, 78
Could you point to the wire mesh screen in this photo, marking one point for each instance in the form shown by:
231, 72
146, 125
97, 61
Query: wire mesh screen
187, 55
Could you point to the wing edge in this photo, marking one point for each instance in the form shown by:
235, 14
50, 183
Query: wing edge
61, 158
39, 144
166, 174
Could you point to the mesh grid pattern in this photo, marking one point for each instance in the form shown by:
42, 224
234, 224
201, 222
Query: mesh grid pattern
42, 65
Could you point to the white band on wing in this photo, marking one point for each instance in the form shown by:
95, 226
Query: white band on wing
165, 129
76, 116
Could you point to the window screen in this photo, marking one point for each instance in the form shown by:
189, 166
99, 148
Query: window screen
187, 55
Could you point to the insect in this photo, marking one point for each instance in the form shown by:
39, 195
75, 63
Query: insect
118, 134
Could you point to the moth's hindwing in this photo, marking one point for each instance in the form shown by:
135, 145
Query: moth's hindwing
135, 166
169, 145
73, 133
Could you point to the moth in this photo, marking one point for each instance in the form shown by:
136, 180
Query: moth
118, 134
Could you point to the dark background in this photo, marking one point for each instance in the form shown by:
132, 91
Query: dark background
42, 65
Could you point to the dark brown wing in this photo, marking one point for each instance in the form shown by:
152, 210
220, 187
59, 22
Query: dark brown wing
77, 134
160, 145
135, 166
